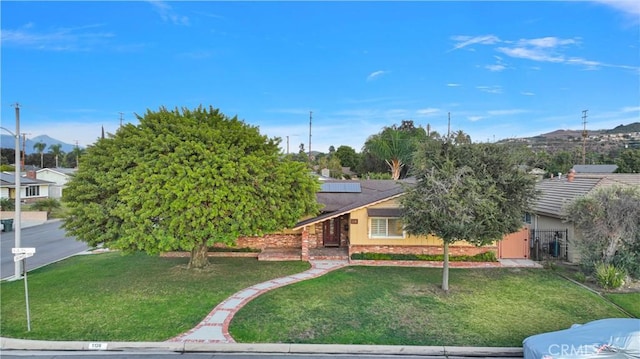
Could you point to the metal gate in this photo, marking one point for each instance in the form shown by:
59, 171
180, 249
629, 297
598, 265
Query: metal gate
549, 244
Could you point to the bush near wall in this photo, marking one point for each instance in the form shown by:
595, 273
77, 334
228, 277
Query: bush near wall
481, 257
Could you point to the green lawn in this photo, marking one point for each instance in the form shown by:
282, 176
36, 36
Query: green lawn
629, 301
113, 297
403, 306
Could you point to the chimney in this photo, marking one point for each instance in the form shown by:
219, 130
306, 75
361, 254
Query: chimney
31, 174
572, 175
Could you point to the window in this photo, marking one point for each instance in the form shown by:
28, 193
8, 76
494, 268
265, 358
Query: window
386, 228
527, 218
33, 191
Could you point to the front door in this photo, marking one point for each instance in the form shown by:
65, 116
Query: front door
331, 232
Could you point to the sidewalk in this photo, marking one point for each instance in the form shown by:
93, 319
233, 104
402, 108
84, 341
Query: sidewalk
215, 326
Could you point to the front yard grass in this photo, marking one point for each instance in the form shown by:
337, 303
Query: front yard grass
112, 297
404, 306
629, 301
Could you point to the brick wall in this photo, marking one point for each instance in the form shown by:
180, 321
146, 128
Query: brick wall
453, 250
270, 241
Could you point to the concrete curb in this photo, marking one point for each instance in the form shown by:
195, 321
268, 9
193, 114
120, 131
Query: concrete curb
43, 345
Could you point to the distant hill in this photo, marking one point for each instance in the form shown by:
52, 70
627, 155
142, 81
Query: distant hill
633, 127
8, 141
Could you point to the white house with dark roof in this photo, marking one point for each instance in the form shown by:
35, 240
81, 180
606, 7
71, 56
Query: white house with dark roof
31, 189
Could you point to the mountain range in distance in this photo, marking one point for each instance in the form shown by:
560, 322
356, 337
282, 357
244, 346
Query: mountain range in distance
8, 141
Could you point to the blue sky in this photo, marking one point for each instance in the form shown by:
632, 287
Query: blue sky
502, 69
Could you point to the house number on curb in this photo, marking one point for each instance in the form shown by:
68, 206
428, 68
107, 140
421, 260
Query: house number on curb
97, 346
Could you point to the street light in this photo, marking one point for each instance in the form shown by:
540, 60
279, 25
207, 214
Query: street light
17, 216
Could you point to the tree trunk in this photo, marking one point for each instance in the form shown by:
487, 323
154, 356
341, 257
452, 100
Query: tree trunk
396, 167
611, 249
199, 257
445, 268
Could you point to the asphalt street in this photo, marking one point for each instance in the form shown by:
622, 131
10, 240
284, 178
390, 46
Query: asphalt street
49, 240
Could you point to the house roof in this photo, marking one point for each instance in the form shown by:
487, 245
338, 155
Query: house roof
595, 168
60, 170
371, 192
556, 193
8, 180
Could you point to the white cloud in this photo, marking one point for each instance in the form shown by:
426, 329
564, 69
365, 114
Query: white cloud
167, 14
506, 112
546, 42
464, 41
60, 39
630, 7
631, 109
535, 54
428, 111
490, 89
495, 68
372, 76
474, 118
527, 93
453, 85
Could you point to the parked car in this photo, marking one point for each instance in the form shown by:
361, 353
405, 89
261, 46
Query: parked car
613, 338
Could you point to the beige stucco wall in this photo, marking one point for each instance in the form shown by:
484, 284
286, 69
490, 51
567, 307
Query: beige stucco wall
359, 232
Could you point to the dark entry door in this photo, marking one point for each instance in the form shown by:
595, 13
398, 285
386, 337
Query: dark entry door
331, 232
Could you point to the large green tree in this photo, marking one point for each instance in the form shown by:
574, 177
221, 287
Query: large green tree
608, 220
184, 180
396, 145
470, 192
39, 147
348, 157
57, 152
629, 161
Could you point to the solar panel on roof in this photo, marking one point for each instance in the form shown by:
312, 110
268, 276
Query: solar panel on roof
346, 187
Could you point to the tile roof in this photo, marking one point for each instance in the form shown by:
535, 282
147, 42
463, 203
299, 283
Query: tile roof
595, 168
555, 193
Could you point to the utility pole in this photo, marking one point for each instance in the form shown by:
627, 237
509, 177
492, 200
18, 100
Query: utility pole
584, 137
17, 217
77, 155
120, 118
449, 126
310, 116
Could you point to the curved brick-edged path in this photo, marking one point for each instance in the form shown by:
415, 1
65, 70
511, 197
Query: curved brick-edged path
215, 326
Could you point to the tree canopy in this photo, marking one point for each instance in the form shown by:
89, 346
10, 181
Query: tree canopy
609, 223
470, 192
184, 180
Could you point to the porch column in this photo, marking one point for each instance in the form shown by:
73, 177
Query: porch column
305, 244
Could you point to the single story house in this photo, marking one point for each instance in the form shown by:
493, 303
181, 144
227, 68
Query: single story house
356, 217
551, 235
59, 178
31, 189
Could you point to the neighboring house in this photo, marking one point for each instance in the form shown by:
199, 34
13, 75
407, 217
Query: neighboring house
59, 177
551, 235
357, 217
31, 189
580, 169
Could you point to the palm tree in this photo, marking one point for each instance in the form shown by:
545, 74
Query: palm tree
394, 146
39, 147
56, 151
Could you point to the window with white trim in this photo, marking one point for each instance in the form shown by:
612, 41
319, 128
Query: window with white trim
33, 191
385, 227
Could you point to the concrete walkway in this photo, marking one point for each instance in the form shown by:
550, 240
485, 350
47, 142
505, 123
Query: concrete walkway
214, 328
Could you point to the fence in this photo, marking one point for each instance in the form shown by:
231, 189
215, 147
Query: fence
549, 244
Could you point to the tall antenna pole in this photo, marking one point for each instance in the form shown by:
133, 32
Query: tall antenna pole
77, 155
584, 137
449, 126
120, 118
310, 117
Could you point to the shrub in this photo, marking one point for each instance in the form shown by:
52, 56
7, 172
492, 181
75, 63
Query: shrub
7, 204
48, 205
580, 277
609, 276
481, 257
